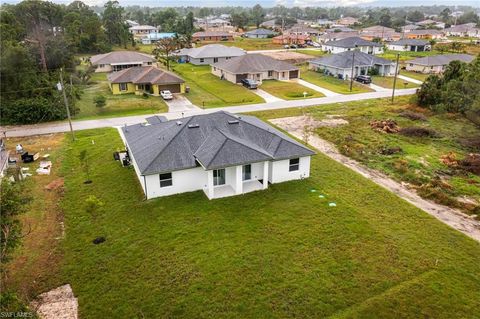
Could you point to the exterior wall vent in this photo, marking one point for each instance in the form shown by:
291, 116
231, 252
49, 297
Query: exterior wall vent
233, 122
193, 125
179, 123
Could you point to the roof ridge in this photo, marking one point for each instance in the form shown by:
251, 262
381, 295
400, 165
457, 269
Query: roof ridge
240, 141
218, 150
171, 139
143, 74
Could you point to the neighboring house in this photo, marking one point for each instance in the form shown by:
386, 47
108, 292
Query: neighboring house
213, 22
347, 21
414, 45
352, 43
119, 60
212, 36
220, 153
256, 67
209, 54
324, 22
145, 79
291, 39
382, 36
429, 23
139, 31
436, 63
424, 34
154, 37
334, 36
377, 29
341, 29
462, 30
269, 24
303, 30
132, 23
340, 64
409, 27
259, 34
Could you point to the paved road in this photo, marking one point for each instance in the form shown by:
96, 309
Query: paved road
57, 127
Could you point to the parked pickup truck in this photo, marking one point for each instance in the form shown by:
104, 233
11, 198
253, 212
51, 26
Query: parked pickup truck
166, 95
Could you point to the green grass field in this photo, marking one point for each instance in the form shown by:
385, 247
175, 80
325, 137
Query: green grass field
288, 90
406, 55
318, 52
331, 83
279, 253
246, 44
387, 82
116, 105
419, 161
414, 75
208, 90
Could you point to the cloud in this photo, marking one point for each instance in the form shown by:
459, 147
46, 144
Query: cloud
319, 3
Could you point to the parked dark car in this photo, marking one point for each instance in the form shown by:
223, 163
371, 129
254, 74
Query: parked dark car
365, 79
249, 83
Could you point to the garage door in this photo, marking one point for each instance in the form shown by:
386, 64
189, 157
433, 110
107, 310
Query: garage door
174, 88
240, 77
293, 74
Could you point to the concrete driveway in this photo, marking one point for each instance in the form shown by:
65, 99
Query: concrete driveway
316, 88
180, 104
266, 96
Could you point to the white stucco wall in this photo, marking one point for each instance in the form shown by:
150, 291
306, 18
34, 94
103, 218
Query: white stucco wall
280, 170
207, 61
183, 181
364, 49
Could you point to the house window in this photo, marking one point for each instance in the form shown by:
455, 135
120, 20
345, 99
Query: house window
166, 180
215, 60
102, 65
123, 86
228, 58
219, 177
202, 60
214, 69
270, 73
247, 172
294, 164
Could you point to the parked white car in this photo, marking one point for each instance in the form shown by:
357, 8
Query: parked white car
166, 95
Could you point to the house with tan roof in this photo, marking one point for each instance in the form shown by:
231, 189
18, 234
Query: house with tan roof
119, 60
212, 36
145, 79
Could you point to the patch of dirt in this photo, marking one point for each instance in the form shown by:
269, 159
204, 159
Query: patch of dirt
451, 217
289, 56
300, 122
55, 185
385, 126
59, 303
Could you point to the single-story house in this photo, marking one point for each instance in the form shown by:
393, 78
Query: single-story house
436, 63
463, 30
132, 23
334, 36
270, 24
154, 37
382, 36
431, 23
220, 153
352, 43
119, 60
377, 29
303, 30
414, 45
291, 39
348, 21
145, 79
259, 34
340, 64
324, 22
341, 29
410, 27
255, 66
212, 36
209, 54
424, 34
142, 30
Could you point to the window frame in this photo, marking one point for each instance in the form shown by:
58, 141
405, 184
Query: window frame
247, 175
125, 86
218, 177
166, 179
294, 164
202, 60
215, 60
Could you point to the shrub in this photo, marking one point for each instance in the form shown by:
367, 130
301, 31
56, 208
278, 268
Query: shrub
100, 100
414, 116
416, 131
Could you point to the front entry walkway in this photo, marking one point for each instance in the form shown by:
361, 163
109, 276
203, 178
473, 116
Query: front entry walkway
180, 104
266, 96
406, 78
316, 88
378, 88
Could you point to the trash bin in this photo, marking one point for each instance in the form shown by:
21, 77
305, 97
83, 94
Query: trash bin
187, 89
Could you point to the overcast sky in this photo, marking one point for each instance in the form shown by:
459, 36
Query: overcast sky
271, 3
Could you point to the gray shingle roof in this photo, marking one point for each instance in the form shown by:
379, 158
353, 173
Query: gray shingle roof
215, 140
144, 74
212, 51
344, 60
121, 57
250, 63
352, 42
409, 42
442, 59
260, 32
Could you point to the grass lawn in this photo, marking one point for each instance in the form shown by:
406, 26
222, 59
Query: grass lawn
318, 52
279, 253
144, 48
414, 75
406, 55
419, 161
246, 44
331, 83
387, 82
116, 105
208, 90
288, 90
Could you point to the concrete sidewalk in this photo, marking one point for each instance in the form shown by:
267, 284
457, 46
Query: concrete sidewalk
266, 96
406, 78
316, 88
57, 127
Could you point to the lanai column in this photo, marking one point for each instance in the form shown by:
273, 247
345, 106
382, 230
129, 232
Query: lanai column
265, 174
210, 184
238, 180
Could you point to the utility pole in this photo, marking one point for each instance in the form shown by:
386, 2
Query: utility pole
353, 69
395, 78
62, 88
71, 92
